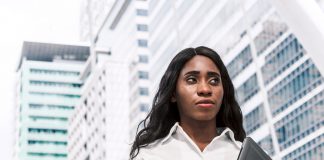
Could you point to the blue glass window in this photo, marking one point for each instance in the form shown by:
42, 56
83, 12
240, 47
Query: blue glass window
281, 58
141, 12
247, 90
254, 119
302, 121
293, 87
239, 63
142, 27
142, 43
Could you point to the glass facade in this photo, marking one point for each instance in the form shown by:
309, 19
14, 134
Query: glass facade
293, 87
302, 121
267, 144
312, 150
247, 90
273, 28
254, 119
281, 58
240, 62
270, 68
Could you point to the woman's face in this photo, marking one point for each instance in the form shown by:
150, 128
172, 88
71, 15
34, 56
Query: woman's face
199, 91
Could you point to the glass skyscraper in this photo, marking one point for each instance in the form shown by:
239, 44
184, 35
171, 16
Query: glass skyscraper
48, 88
278, 86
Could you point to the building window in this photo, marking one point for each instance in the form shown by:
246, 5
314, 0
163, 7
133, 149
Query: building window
309, 151
281, 58
247, 90
142, 27
143, 59
47, 131
301, 122
266, 145
41, 154
143, 75
142, 42
141, 12
53, 72
41, 142
54, 84
143, 91
144, 107
239, 63
272, 30
254, 119
294, 86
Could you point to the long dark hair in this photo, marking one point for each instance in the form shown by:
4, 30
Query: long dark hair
164, 113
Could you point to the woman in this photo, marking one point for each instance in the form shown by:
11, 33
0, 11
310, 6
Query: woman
194, 113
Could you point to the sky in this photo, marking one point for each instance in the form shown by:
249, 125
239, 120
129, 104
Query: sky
54, 21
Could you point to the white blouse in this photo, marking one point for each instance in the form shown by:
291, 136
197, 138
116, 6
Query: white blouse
177, 145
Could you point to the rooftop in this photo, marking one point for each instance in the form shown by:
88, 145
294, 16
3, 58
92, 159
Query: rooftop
49, 52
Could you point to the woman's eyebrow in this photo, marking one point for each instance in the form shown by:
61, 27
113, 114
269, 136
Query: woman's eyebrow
210, 74
192, 73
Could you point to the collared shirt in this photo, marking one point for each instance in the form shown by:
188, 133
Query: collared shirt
177, 145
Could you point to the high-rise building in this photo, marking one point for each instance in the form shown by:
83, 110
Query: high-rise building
105, 122
279, 87
277, 79
98, 128
48, 88
125, 33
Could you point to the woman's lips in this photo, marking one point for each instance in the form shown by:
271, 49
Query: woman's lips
206, 103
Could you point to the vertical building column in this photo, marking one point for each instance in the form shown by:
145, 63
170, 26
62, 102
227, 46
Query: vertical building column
263, 90
92, 56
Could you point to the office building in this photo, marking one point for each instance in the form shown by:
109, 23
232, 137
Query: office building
278, 85
98, 128
105, 122
48, 88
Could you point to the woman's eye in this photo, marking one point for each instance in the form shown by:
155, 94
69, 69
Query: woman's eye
191, 80
214, 81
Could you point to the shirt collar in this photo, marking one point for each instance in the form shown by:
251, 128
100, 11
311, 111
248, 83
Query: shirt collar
172, 131
224, 131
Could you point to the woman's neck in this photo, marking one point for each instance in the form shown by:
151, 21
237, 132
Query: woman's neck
201, 132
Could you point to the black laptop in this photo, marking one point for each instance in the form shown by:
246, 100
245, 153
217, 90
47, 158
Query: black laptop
252, 151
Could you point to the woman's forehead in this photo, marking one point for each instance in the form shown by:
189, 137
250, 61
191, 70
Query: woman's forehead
201, 64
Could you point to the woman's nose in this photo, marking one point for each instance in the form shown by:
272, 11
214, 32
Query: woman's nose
203, 89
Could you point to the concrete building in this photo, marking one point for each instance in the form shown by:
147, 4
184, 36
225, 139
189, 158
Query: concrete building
48, 88
278, 85
98, 128
125, 33
113, 115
